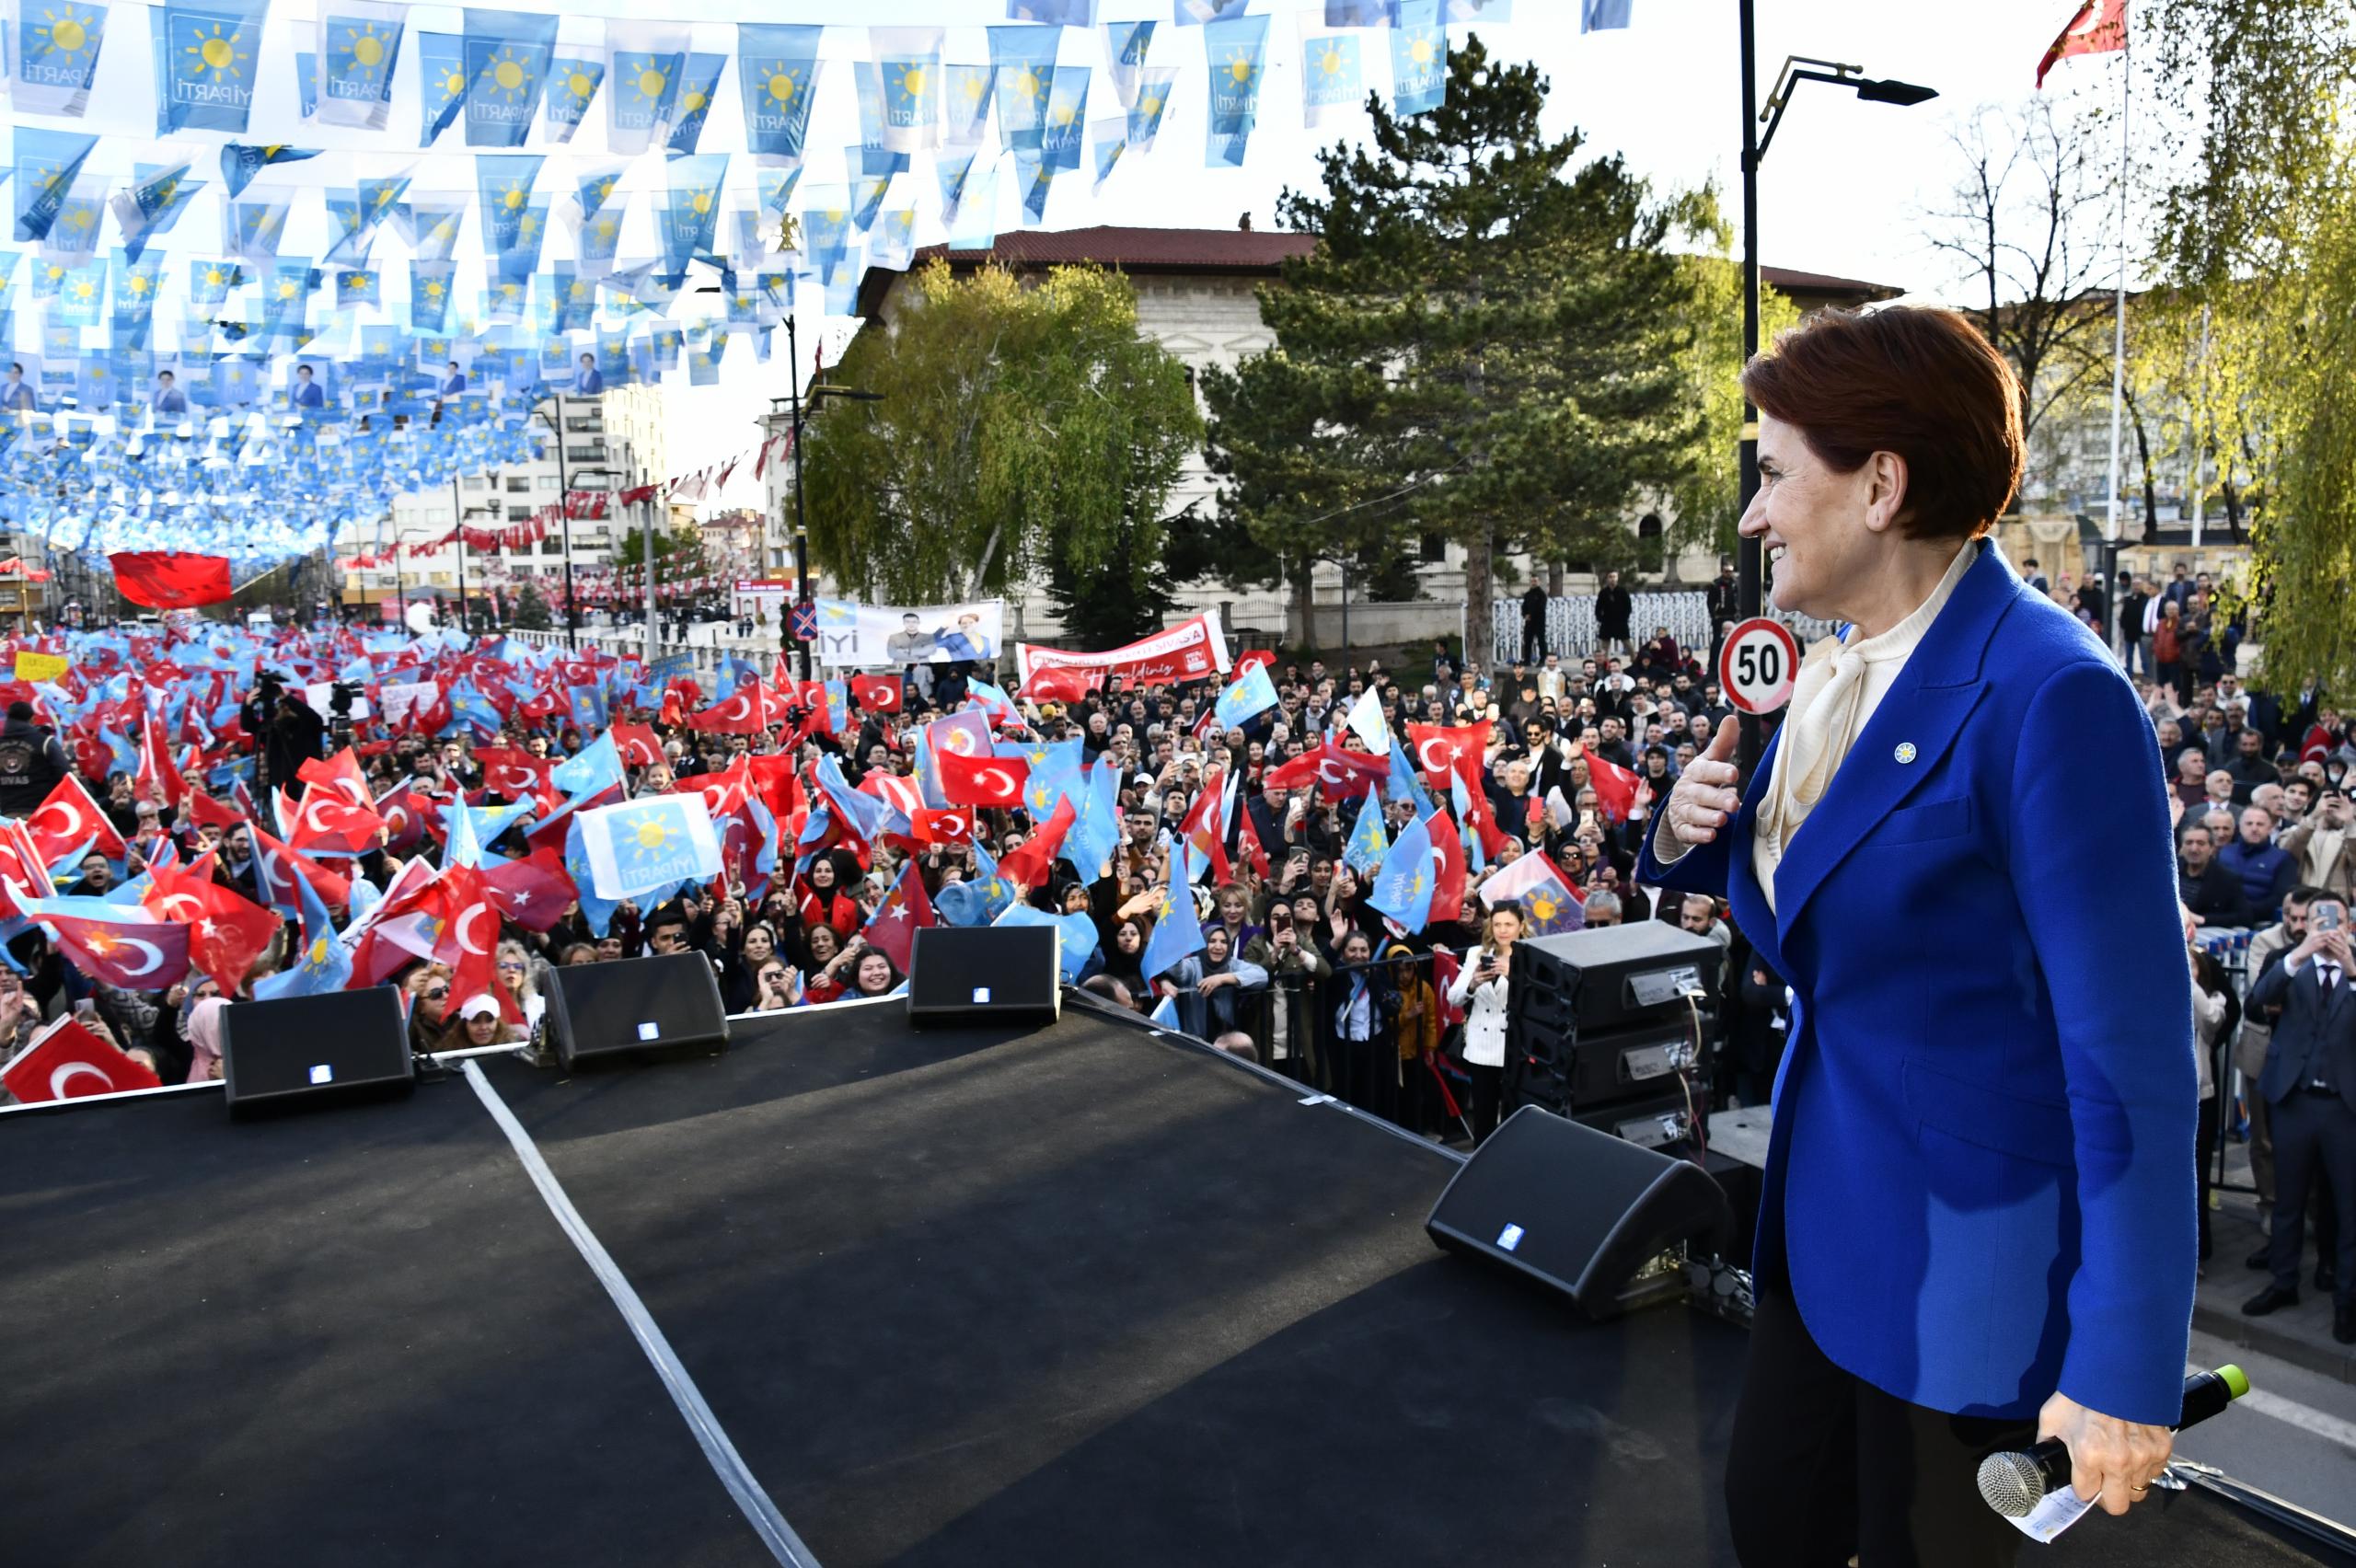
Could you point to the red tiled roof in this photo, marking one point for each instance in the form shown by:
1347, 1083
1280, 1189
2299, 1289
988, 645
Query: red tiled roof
1198, 250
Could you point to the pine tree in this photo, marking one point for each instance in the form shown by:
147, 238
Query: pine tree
1487, 345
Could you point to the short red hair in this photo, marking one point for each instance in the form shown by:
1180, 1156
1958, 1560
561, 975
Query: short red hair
1918, 382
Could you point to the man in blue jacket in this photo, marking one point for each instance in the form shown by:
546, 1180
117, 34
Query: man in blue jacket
2265, 870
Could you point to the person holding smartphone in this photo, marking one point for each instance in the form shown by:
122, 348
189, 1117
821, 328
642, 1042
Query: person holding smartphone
2322, 848
1479, 989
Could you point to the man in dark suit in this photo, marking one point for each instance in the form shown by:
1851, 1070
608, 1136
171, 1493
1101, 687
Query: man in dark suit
2211, 893
2310, 1089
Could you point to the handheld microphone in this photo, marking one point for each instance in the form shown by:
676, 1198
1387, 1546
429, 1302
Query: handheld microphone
2015, 1482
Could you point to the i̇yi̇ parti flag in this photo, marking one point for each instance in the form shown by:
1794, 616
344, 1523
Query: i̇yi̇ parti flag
1402, 888
649, 845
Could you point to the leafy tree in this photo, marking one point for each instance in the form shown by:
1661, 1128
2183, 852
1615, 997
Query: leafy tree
2259, 229
1024, 431
1485, 344
1705, 503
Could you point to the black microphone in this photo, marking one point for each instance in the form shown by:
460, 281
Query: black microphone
2015, 1482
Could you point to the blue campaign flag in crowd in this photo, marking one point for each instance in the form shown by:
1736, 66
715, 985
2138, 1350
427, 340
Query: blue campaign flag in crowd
587, 704
595, 767
1368, 844
1095, 830
650, 845
1076, 935
1402, 888
1252, 693
1402, 784
1176, 932
325, 964
598, 912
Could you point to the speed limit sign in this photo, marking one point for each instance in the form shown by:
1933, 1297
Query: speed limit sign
1758, 664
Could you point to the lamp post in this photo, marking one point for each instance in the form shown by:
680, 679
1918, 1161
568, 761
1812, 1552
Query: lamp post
563, 512
819, 393
1748, 556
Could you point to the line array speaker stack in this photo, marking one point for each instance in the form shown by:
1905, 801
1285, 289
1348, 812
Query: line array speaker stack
1598, 1027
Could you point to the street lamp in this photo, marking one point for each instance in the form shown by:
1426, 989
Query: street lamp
564, 511
1748, 554
819, 393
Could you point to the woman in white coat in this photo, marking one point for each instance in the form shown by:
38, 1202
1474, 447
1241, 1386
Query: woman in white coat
1482, 978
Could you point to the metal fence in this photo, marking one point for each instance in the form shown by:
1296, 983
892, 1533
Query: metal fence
1570, 624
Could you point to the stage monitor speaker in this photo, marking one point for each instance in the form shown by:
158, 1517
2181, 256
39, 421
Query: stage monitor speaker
1576, 1210
1612, 976
299, 1052
985, 974
668, 1002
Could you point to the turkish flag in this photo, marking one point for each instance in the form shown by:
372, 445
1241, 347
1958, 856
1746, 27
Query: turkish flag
207, 810
70, 820
342, 772
1341, 774
165, 580
69, 1062
1028, 866
1448, 865
637, 745
227, 931
745, 713
943, 827
1614, 785
145, 954
876, 694
981, 780
1439, 749
2098, 27
404, 813
468, 939
327, 819
1059, 683
532, 891
904, 912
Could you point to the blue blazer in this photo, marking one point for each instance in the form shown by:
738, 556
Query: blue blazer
1981, 1184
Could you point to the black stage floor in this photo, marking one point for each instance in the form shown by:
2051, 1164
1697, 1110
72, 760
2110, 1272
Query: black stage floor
966, 1297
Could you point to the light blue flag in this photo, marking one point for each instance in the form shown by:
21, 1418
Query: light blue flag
1330, 78
1125, 46
1252, 693
596, 767
1402, 888
1237, 50
698, 87
441, 83
1075, 936
1054, 13
907, 62
356, 286
1036, 179
359, 45
645, 62
1402, 784
1197, 13
1418, 59
598, 912
1023, 61
208, 55
1176, 932
1096, 829
1165, 1015
1368, 844
507, 58
323, 963
56, 50
777, 75
1361, 13
966, 94
1060, 138
1107, 140
503, 184
650, 845
46, 163
1595, 15
153, 202
691, 206
572, 87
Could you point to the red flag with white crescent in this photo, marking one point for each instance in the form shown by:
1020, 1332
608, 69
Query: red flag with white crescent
981, 780
69, 1063
2099, 26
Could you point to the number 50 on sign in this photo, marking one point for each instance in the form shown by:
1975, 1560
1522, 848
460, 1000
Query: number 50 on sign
1758, 664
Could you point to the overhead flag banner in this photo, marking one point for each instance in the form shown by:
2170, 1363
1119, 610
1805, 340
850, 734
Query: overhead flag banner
359, 45
1155, 84
56, 52
1237, 48
46, 165
644, 63
777, 77
1024, 62
691, 207
964, 103
1126, 44
572, 87
1331, 85
441, 83
507, 59
241, 163
207, 56
1418, 59
908, 62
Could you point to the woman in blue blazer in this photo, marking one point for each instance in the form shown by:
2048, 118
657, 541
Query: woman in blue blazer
1978, 1226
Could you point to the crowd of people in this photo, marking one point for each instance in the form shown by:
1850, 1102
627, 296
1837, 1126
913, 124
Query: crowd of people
1286, 959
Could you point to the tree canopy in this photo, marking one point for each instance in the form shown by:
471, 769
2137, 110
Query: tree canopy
1024, 431
1487, 343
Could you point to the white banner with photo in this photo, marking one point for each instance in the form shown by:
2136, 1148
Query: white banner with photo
868, 636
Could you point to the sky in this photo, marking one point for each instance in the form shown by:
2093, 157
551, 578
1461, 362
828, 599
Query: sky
1845, 190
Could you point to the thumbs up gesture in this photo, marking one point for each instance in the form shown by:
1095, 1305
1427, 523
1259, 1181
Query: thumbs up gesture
1708, 793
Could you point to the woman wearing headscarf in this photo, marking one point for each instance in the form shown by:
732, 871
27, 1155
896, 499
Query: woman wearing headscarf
204, 1039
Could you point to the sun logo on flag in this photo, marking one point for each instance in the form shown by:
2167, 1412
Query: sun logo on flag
86, 290
650, 837
972, 86
217, 52
1150, 106
452, 79
692, 102
909, 82
608, 230
782, 84
1421, 49
65, 32
164, 192
1330, 58
516, 194
580, 86
509, 73
365, 50
1238, 67
651, 79
77, 216
288, 288
1029, 84
433, 288
700, 200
